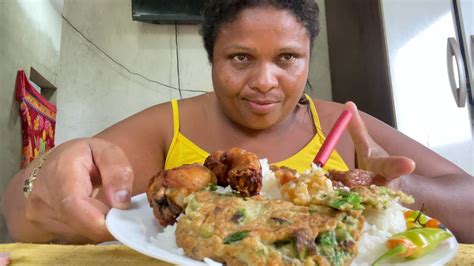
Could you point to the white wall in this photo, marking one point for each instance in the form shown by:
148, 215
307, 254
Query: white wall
111, 66
30, 36
319, 74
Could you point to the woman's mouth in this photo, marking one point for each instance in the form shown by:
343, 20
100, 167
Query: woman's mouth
260, 106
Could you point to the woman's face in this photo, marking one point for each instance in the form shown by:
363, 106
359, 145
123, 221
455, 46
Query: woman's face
260, 66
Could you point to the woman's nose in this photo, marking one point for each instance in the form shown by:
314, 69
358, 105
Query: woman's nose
264, 78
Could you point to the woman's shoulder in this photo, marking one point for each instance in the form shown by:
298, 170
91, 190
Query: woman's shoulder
197, 113
328, 111
153, 125
164, 111
194, 102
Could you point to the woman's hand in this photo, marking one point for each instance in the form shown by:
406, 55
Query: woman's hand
372, 157
63, 206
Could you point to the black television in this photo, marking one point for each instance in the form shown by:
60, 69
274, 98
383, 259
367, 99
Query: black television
167, 11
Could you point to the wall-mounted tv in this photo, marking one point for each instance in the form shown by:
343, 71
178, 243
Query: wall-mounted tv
167, 11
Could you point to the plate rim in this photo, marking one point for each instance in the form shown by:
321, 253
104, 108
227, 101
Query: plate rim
171, 257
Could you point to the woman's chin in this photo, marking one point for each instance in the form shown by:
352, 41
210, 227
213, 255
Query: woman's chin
261, 122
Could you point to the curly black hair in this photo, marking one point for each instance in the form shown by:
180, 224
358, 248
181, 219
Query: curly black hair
218, 12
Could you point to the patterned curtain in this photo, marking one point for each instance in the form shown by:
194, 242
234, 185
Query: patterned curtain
38, 119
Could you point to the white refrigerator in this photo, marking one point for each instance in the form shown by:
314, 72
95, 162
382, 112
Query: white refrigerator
430, 49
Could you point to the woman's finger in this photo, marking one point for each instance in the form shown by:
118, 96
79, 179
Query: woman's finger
115, 170
358, 131
370, 155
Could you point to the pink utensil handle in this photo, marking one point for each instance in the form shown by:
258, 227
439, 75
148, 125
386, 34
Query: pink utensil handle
333, 137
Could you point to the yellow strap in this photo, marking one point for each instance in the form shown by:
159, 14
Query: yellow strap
315, 116
174, 106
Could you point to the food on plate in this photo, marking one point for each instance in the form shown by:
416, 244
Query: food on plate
167, 189
258, 231
377, 197
418, 219
414, 243
238, 168
284, 174
351, 178
315, 188
274, 215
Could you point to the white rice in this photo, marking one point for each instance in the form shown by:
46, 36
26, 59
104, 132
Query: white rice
371, 245
390, 220
223, 190
379, 226
270, 184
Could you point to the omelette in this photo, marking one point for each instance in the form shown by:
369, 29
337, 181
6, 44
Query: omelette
257, 231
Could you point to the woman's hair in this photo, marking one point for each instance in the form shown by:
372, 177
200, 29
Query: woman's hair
219, 12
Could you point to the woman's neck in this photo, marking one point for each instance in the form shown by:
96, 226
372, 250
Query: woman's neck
276, 143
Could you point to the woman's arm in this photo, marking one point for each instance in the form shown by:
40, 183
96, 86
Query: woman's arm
63, 206
443, 188
428, 162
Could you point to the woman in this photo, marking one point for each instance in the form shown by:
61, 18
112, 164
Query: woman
259, 51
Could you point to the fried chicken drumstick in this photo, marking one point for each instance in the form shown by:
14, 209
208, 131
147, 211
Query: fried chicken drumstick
237, 167
167, 190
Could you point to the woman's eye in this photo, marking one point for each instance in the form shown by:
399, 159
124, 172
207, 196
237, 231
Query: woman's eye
287, 57
240, 58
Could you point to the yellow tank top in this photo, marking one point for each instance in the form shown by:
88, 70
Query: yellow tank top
184, 151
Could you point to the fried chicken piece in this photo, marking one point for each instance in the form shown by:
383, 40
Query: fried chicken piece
167, 190
237, 167
245, 173
218, 163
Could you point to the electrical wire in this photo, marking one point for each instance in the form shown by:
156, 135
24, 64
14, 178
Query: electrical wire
123, 66
177, 58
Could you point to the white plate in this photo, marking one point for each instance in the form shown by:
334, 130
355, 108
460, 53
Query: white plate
138, 229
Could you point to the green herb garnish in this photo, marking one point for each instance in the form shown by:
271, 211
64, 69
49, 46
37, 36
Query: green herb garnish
346, 198
212, 187
236, 237
327, 238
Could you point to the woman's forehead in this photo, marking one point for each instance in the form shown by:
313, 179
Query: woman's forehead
262, 22
268, 16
